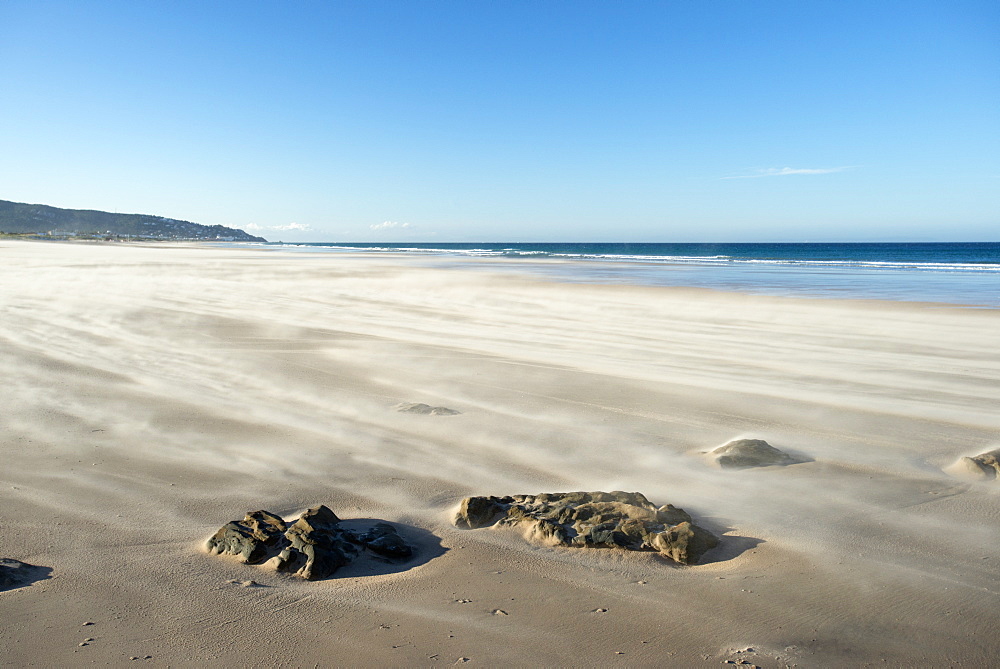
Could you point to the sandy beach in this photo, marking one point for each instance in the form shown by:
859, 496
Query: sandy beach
153, 393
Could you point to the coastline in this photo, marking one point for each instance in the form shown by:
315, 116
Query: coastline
957, 273
154, 394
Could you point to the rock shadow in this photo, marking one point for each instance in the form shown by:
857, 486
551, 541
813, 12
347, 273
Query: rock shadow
798, 457
731, 546
17, 574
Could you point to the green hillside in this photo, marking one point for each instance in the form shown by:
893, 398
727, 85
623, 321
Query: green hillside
16, 217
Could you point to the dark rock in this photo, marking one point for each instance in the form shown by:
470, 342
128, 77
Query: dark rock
425, 409
317, 545
750, 453
593, 519
255, 539
384, 540
15, 574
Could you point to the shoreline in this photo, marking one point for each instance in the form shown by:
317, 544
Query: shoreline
968, 284
851, 285
154, 394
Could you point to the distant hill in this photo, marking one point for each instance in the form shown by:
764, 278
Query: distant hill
16, 217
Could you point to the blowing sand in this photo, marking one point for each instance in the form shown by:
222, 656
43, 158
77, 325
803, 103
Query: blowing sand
150, 395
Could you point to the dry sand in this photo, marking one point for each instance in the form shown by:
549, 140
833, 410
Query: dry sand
150, 394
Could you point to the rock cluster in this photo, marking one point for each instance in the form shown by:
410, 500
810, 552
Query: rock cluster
425, 409
617, 519
315, 546
985, 465
744, 453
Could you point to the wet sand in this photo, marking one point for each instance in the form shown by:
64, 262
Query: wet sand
151, 394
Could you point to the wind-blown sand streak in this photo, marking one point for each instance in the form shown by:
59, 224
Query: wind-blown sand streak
151, 394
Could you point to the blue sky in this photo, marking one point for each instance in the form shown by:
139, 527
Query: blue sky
512, 121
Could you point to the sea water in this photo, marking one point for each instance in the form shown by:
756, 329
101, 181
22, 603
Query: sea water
956, 273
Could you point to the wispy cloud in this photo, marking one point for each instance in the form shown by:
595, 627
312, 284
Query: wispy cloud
297, 227
787, 171
389, 225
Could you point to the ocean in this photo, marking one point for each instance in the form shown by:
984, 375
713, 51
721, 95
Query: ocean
966, 273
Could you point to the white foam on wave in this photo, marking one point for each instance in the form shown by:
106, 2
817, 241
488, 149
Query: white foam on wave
510, 252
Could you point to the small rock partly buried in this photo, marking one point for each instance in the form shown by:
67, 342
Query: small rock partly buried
616, 519
315, 546
425, 409
743, 453
14, 573
245, 584
983, 466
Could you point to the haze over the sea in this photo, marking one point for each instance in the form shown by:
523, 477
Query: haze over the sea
458, 121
